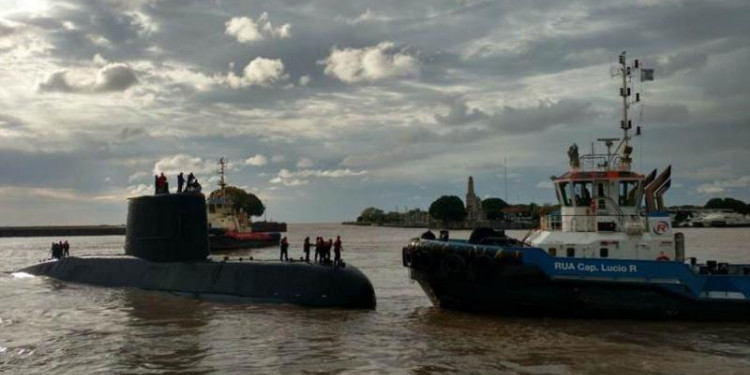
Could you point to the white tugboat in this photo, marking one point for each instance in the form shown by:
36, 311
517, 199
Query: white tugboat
231, 229
609, 252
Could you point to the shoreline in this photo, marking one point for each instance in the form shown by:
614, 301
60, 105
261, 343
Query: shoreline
62, 230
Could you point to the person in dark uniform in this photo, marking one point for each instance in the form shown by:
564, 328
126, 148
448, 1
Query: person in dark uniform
180, 182
318, 250
284, 249
329, 245
337, 251
306, 249
66, 249
56, 251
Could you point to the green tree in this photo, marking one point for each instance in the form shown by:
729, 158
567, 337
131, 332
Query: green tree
248, 202
493, 208
728, 203
448, 208
371, 215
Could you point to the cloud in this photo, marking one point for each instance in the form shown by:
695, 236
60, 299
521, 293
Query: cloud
459, 113
369, 16
373, 63
131, 132
245, 30
173, 165
259, 72
278, 158
138, 176
304, 80
257, 160
546, 114
545, 185
305, 163
110, 78
681, 61
301, 177
724, 186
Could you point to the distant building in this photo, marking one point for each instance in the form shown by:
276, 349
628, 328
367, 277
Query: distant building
474, 214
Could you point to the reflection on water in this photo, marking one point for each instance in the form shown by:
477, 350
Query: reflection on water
166, 333
47, 326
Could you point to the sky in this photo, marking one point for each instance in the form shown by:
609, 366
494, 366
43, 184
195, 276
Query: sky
324, 108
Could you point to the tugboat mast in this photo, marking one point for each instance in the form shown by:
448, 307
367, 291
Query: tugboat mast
624, 149
222, 181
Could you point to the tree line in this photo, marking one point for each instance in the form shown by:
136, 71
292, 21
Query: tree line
451, 209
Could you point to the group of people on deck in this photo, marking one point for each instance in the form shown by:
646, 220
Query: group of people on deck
60, 249
322, 250
161, 185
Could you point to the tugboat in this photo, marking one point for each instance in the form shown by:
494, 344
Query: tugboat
230, 228
609, 252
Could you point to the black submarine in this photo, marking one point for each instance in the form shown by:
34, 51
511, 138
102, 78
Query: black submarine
167, 249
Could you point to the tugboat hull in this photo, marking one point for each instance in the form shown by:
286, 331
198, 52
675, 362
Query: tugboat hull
519, 282
539, 297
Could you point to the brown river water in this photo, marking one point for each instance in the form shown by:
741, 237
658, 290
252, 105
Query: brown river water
51, 327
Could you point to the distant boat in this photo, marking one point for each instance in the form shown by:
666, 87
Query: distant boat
725, 220
231, 229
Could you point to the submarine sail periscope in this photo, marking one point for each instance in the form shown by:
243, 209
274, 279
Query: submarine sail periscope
167, 249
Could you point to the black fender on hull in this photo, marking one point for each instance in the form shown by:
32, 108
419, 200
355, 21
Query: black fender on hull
281, 282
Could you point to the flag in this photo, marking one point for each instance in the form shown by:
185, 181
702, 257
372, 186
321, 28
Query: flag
647, 75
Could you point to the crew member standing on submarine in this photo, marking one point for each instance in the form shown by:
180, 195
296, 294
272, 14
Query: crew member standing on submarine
318, 250
306, 249
284, 249
180, 182
337, 251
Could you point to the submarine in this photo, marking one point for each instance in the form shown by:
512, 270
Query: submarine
167, 249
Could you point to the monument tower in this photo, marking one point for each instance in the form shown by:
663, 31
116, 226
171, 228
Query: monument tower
474, 211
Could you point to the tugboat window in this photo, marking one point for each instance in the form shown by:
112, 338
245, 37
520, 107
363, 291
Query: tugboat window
628, 193
601, 194
571, 252
603, 252
583, 193
564, 195
552, 251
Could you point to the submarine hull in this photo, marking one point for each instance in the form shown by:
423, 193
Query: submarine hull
256, 281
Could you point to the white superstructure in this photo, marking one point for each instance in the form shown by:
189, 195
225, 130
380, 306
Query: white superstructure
607, 210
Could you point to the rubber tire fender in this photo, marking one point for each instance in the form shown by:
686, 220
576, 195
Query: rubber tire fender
454, 263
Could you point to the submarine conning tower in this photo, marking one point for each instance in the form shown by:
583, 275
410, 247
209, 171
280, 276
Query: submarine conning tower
168, 228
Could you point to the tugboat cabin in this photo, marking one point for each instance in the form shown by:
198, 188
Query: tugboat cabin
608, 211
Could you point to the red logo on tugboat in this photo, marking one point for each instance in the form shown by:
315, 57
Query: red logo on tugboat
661, 227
